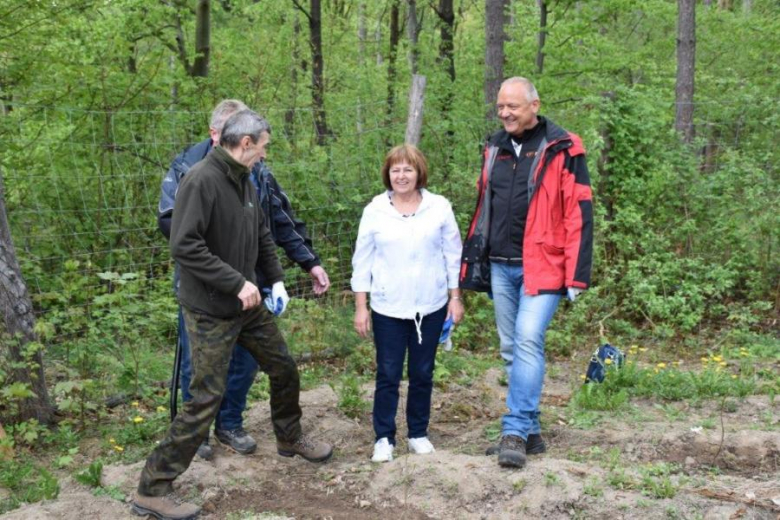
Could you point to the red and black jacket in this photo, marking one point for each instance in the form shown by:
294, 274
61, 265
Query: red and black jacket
558, 240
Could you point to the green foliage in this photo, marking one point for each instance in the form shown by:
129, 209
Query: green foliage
91, 476
27, 483
350, 395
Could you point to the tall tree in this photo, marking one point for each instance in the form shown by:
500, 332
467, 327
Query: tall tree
542, 36
413, 33
314, 15
17, 334
446, 14
395, 36
495, 19
200, 67
686, 67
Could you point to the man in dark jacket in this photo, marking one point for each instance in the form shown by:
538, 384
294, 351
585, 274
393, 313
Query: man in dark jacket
530, 243
287, 232
219, 237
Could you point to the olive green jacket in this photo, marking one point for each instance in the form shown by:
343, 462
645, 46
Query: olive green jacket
219, 234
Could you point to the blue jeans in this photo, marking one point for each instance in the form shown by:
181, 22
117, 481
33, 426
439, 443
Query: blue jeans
393, 337
241, 375
522, 322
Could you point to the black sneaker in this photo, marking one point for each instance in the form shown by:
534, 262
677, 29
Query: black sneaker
205, 451
511, 452
533, 446
237, 440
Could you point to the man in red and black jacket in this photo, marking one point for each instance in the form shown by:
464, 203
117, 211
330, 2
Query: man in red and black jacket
530, 243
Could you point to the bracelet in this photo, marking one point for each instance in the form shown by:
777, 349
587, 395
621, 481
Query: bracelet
455, 298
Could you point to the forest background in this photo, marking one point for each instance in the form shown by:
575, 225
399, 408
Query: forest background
98, 97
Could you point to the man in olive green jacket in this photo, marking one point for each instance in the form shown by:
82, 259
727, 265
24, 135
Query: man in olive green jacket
218, 236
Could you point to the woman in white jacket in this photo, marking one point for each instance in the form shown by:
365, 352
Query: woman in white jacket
407, 257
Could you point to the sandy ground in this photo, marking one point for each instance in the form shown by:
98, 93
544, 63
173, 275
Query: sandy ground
720, 475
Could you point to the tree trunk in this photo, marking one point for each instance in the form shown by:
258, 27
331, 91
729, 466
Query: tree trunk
362, 35
542, 36
495, 19
289, 114
314, 14
686, 66
17, 329
200, 68
391, 57
413, 33
447, 46
415, 118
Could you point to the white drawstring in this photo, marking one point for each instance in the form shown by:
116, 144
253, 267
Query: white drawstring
418, 325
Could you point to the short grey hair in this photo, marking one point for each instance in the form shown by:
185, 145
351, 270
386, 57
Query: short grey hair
243, 123
225, 109
530, 90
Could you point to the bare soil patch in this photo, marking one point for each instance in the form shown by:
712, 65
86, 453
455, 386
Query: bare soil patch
733, 473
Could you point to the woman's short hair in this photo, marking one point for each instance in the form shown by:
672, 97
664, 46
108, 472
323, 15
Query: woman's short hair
409, 154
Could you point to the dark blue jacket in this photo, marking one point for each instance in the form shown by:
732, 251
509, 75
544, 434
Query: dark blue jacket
288, 232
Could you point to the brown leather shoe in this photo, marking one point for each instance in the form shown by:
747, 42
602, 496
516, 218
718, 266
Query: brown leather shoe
164, 508
308, 448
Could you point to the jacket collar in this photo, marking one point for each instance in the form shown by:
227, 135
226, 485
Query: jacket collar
235, 171
553, 133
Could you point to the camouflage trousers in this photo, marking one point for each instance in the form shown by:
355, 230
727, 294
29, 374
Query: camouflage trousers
211, 344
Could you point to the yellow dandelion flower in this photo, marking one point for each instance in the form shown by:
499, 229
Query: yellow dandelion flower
161, 409
733, 376
583, 377
633, 347
704, 359
661, 365
723, 363
717, 358
112, 441
642, 349
744, 354
134, 403
607, 361
656, 370
138, 419
120, 449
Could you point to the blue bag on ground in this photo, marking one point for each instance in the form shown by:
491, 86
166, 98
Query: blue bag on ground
597, 368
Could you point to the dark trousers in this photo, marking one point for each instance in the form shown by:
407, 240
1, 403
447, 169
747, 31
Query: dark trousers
241, 375
211, 344
393, 337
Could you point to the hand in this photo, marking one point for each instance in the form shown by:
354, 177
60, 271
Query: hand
455, 309
573, 292
279, 298
362, 321
249, 296
319, 280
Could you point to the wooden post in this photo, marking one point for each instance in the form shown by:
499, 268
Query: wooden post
414, 121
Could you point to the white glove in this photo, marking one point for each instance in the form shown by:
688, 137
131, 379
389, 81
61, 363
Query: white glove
573, 292
277, 302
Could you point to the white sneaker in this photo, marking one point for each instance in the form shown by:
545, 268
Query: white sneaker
421, 446
383, 451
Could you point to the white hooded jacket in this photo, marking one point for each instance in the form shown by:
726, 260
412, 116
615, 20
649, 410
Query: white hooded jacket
407, 264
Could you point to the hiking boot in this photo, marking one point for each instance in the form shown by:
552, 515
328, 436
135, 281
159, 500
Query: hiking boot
383, 451
421, 446
237, 440
533, 446
166, 507
308, 448
511, 452
205, 451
